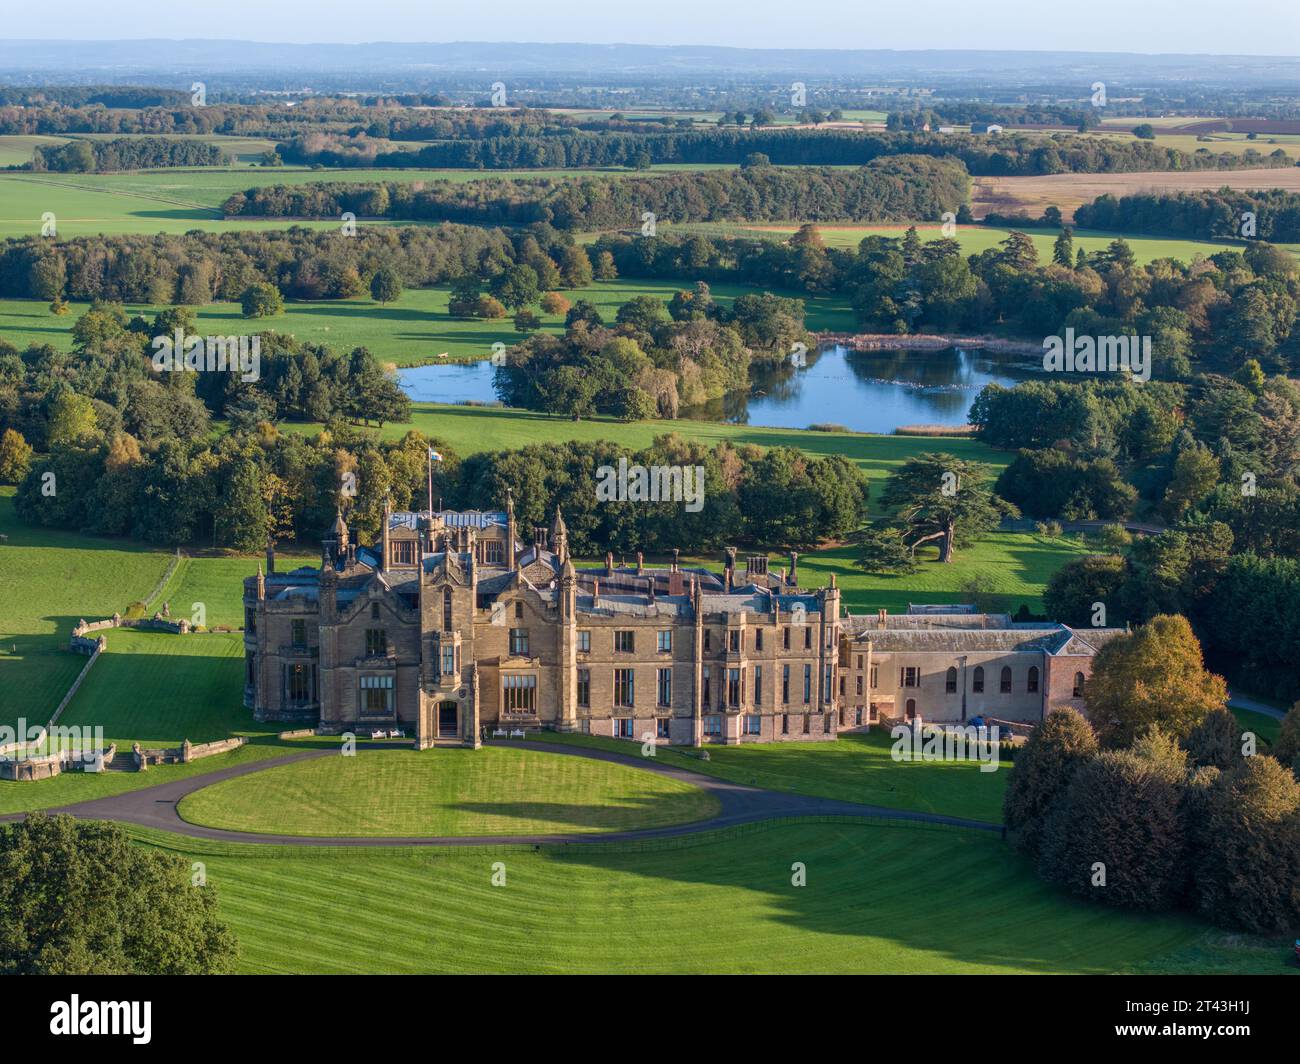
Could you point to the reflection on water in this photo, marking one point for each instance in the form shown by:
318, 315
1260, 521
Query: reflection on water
867, 391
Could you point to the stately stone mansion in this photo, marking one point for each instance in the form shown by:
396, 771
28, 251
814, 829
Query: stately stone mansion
450, 625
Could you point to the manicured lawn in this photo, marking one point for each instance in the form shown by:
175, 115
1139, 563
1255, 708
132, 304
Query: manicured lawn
209, 589
1017, 564
450, 791
160, 688
887, 899
854, 768
50, 579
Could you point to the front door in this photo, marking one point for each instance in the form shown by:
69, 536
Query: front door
448, 722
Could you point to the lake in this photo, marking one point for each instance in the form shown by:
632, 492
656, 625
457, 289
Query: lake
866, 391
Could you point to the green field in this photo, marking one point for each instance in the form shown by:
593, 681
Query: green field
450, 791
857, 767
413, 330
177, 200
50, 580
890, 899
977, 238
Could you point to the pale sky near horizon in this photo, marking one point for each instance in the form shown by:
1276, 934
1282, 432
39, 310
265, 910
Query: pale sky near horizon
1245, 27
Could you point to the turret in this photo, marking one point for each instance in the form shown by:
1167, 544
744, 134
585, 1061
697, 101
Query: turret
560, 537
510, 530
334, 544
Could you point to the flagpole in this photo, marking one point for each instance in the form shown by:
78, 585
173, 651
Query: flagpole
429, 456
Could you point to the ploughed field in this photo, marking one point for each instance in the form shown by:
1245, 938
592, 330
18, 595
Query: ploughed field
1030, 195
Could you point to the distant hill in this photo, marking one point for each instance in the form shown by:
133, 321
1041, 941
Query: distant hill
79, 62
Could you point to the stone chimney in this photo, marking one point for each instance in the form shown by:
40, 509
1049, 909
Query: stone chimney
729, 568
677, 560
640, 564
881, 617
595, 592
794, 568
609, 563
270, 557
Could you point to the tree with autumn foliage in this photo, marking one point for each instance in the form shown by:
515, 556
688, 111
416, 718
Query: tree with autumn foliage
1153, 676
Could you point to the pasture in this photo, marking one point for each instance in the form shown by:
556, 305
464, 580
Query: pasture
414, 329
977, 238
176, 200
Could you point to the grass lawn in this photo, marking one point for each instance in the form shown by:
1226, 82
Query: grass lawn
853, 768
1264, 726
888, 899
159, 688
50, 579
450, 791
209, 589
975, 238
1017, 564
72, 787
413, 330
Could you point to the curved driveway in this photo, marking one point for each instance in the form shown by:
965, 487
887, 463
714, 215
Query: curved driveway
156, 807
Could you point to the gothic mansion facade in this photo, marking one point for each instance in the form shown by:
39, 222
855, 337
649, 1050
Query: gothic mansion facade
451, 626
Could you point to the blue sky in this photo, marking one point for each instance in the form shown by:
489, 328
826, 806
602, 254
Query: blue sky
1244, 27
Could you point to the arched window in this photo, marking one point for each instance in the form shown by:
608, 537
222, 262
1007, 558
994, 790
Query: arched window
977, 684
950, 683
446, 609
911, 709
1005, 683
1032, 684
1078, 685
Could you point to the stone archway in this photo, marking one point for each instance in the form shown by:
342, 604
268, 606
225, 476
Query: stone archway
447, 720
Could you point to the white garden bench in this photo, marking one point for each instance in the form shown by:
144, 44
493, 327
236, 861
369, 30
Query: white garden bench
379, 733
518, 733
500, 733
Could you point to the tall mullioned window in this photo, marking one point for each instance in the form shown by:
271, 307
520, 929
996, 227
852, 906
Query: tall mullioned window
664, 641
584, 687
624, 642
376, 643
624, 688
664, 696
376, 695
520, 693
